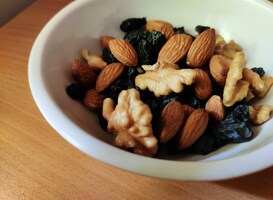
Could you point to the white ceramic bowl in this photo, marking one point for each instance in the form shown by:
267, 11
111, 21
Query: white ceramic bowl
80, 24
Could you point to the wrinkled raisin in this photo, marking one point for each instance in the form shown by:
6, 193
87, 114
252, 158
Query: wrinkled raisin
132, 24
179, 30
134, 37
201, 28
75, 91
258, 70
236, 127
157, 40
145, 53
116, 87
107, 56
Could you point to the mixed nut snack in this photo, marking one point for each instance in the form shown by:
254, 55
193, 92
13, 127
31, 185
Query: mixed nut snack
160, 86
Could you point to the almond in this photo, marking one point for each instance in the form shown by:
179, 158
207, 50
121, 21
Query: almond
219, 66
104, 40
194, 127
202, 48
123, 51
93, 100
171, 119
83, 73
108, 75
215, 108
187, 109
161, 26
202, 85
175, 48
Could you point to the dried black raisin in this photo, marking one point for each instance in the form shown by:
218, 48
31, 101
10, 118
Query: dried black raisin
132, 24
145, 53
179, 30
134, 37
157, 40
75, 91
102, 121
201, 28
258, 70
107, 56
116, 87
236, 127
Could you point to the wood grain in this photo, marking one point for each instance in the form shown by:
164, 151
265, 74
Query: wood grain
36, 163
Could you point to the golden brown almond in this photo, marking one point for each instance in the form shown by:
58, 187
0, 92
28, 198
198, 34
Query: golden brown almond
83, 74
93, 100
215, 108
175, 49
219, 66
171, 119
108, 75
202, 85
123, 51
194, 127
104, 40
202, 48
161, 26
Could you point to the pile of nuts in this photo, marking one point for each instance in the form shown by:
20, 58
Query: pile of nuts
209, 61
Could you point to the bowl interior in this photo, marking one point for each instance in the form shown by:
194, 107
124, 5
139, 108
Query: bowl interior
79, 26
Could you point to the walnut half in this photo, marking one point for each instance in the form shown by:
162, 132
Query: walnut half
130, 123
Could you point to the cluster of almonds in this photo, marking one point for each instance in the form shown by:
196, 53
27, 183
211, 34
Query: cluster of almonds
130, 120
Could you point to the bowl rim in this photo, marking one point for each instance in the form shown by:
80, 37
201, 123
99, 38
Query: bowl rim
177, 170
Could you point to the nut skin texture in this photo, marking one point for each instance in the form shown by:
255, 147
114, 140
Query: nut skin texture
259, 114
93, 100
124, 52
171, 119
175, 49
83, 73
202, 48
130, 123
215, 108
256, 84
268, 82
108, 75
202, 85
104, 40
194, 127
187, 109
219, 66
161, 26
165, 79
94, 61
235, 88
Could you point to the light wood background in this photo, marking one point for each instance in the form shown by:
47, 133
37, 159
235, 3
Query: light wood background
36, 163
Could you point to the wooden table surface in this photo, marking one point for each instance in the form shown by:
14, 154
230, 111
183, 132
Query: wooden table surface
37, 163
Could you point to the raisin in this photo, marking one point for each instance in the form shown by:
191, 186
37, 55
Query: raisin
102, 121
116, 87
134, 37
157, 40
204, 145
258, 70
201, 28
236, 127
196, 102
107, 56
179, 30
145, 53
132, 24
75, 91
